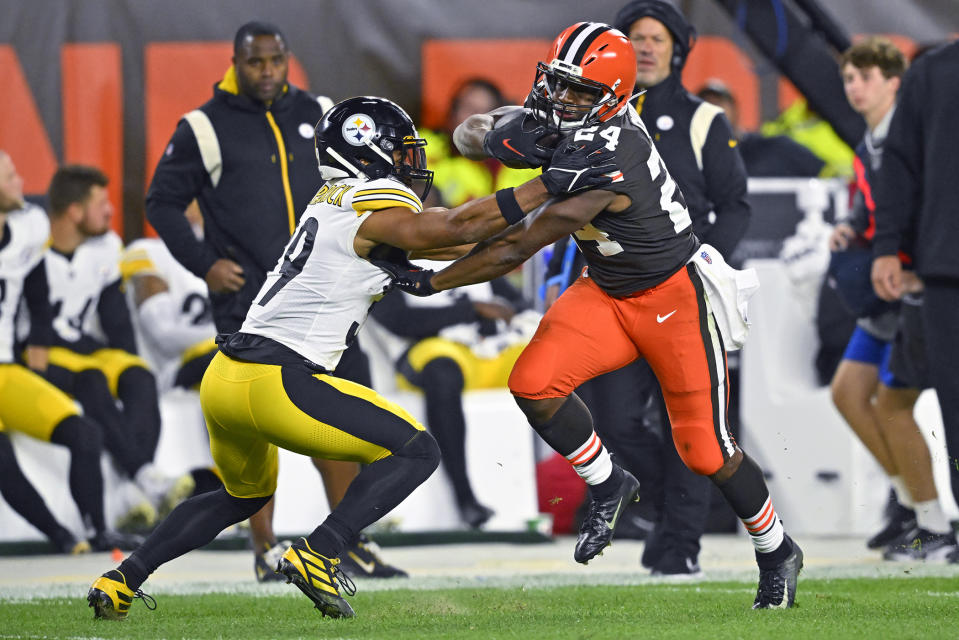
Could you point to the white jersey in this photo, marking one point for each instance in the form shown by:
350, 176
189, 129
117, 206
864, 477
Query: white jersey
21, 249
318, 296
76, 283
167, 324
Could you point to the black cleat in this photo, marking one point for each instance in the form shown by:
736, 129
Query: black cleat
108, 540
777, 586
902, 520
675, 565
319, 578
475, 514
601, 517
924, 546
264, 564
363, 560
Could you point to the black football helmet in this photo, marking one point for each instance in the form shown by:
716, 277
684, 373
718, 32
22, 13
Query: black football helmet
358, 137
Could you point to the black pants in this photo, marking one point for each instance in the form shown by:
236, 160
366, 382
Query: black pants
939, 307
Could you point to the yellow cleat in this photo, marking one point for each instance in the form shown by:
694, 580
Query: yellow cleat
111, 598
81, 547
319, 578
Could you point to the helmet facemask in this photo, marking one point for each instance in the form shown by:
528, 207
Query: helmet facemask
554, 80
412, 163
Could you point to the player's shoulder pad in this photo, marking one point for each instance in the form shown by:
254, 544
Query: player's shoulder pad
381, 193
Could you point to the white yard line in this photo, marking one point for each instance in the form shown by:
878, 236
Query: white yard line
498, 566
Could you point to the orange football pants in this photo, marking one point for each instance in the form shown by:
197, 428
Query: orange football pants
587, 333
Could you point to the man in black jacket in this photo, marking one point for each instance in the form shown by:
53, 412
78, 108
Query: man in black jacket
247, 157
698, 147
916, 199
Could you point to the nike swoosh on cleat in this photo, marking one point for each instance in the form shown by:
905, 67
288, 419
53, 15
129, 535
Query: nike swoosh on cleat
612, 523
661, 319
785, 602
366, 566
510, 147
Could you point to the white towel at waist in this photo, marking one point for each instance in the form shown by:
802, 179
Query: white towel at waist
728, 291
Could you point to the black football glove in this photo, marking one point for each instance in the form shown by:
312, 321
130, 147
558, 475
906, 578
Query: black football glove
404, 274
519, 141
578, 165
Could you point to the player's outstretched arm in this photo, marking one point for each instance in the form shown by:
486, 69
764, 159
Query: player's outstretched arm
504, 252
575, 166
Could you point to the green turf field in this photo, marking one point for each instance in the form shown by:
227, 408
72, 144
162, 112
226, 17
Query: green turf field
926, 607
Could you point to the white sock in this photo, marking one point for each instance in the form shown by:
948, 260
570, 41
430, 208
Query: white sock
765, 529
902, 493
591, 461
931, 517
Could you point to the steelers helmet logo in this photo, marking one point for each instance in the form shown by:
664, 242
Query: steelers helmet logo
358, 129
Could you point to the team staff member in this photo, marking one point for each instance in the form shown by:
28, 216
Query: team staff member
916, 197
246, 156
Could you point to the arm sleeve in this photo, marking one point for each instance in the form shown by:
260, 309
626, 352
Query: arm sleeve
115, 318
897, 189
408, 321
725, 177
36, 291
179, 177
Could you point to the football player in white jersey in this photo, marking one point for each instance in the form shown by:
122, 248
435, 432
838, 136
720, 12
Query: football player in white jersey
270, 384
28, 403
171, 314
174, 323
93, 356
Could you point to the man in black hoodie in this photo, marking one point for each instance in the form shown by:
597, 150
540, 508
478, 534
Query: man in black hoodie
247, 157
698, 147
916, 196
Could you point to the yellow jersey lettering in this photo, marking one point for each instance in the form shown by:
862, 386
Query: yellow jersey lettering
336, 196
321, 194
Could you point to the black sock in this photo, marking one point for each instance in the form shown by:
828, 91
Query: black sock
24, 499
774, 558
85, 441
194, 523
375, 491
330, 539
569, 428
609, 486
745, 490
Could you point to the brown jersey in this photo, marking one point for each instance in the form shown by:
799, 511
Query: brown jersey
646, 243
